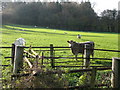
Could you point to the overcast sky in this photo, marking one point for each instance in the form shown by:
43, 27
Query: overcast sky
101, 5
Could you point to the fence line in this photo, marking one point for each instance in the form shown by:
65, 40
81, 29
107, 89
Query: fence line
81, 66
68, 47
5, 65
52, 61
70, 58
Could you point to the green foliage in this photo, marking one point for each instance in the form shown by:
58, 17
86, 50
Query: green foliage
84, 79
71, 78
104, 77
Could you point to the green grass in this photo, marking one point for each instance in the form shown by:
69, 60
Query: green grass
44, 37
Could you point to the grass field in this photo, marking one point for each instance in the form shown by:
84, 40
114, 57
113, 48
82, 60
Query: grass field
44, 37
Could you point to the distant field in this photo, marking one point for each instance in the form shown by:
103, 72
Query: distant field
36, 36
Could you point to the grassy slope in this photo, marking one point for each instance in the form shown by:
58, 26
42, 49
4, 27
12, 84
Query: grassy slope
45, 37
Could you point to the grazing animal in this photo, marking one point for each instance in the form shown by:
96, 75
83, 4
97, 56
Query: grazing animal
79, 47
65, 32
35, 26
79, 36
20, 42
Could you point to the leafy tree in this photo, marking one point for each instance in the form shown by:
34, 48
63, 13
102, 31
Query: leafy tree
109, 19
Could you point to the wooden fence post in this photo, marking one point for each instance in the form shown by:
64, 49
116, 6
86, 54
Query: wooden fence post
13, 53
87, 55
93, 76
42, 58
52, 55
18, 59
115, 80
36, 61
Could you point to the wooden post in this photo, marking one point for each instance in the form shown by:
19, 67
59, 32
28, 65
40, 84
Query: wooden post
1, 86
93, 76
13, 53
36, 62
52, 55
115, 80
87, 55
18, 59
42, 58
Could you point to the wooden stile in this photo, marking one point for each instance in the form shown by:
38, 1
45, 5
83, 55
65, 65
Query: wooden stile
29, 63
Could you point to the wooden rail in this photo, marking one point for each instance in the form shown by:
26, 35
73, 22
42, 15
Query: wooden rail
69, 58
68, 47
81, 66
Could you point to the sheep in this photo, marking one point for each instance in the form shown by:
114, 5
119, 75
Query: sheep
35, 26
20, 42
79, 47
79, 36
65, 32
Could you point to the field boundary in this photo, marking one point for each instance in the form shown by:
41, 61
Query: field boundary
67, 47
17, 62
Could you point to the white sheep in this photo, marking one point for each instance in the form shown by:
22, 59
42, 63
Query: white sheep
35, 26
79, 36
65, 32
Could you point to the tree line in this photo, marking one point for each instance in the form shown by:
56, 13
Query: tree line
60, 15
